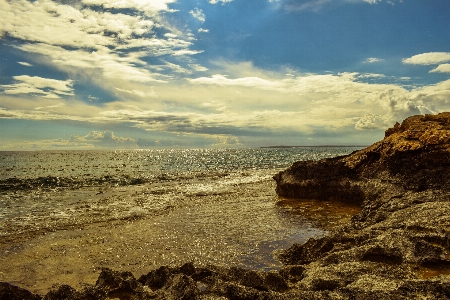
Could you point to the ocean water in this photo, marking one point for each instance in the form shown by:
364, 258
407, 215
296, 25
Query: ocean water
66, 214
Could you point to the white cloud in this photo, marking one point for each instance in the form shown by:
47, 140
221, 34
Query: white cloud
314, 5
430, 58
104, 137
24, 64
219, 1
246, 81
84, 28
170, 35
58, 105
142, 94
104, 63
49, 88
147, 6
203, 30
443, 68
226, 141
93, 140
186, 52
94, 44
371, 60
317, 5
198, 68
198, 14
370, 121
36, 22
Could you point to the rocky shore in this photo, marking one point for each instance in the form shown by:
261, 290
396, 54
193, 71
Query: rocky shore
398, 247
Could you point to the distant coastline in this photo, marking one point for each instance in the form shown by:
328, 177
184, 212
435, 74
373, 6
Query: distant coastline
321, 146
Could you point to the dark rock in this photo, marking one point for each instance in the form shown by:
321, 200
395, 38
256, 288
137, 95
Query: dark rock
12, 292
403, 186
292, 273
179, 287
188, 269
120, 285
253, 279
156, 279
234, 291
303, 254
65, 292
273, 281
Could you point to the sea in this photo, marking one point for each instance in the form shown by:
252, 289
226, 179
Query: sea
65, 215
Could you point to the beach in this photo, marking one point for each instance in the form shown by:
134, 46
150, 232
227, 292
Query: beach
67, 215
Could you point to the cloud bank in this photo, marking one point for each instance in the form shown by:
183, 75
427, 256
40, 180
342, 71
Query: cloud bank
142, 68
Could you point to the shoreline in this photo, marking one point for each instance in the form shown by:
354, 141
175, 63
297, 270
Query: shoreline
397, 247
208, 231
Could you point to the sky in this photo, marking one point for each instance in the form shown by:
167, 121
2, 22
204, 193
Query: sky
144, 74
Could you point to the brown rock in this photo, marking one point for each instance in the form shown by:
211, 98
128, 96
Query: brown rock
403, 186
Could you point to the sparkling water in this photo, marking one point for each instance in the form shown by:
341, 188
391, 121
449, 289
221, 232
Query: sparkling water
66, 214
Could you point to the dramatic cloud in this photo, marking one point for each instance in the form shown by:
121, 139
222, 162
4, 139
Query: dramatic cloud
370, 121
49, 88
102, 63
98, 41
221, 73
430, 58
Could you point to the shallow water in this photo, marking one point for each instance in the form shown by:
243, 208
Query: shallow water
137, 210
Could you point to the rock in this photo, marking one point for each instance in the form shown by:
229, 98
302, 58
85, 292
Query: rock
65, 292
302, 254
403, 186
156, 279
120, 285
180, 287
12, 292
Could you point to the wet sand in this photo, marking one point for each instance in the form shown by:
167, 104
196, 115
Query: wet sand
236, 227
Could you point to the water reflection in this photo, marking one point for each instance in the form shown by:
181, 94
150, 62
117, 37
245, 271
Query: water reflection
323, 215
304, 218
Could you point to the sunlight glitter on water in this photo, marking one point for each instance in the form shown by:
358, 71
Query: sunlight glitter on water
136, 210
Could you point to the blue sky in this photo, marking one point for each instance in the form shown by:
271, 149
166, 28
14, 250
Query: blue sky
91, 74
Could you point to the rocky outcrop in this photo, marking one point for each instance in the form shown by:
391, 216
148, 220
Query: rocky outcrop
183, 283
397, 247
402, 233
